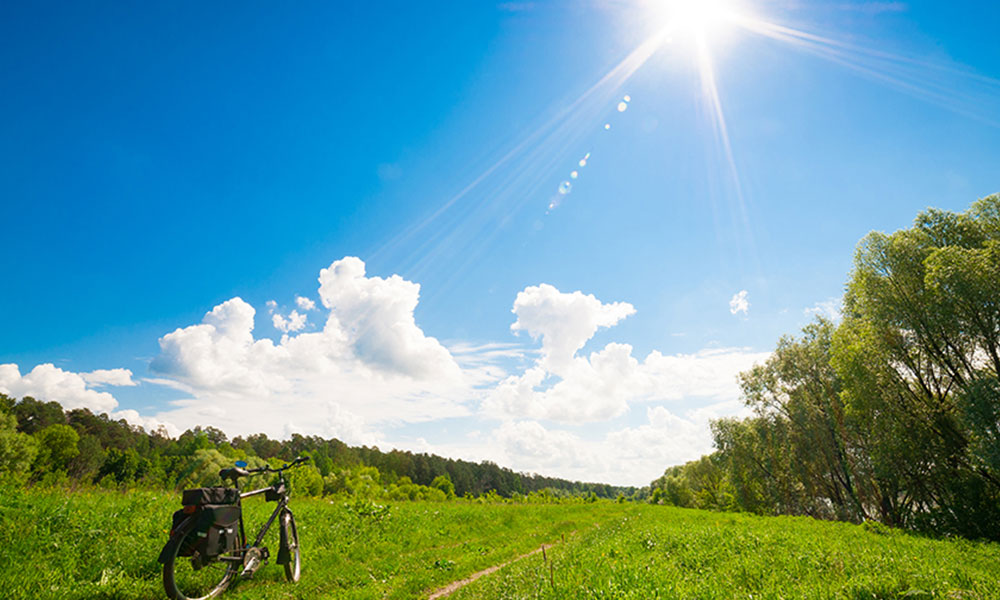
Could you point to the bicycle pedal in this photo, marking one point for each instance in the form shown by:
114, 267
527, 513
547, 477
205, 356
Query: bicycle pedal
251, 562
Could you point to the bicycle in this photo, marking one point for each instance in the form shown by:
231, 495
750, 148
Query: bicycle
192, 573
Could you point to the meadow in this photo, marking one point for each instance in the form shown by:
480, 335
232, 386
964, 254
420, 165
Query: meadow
103, 544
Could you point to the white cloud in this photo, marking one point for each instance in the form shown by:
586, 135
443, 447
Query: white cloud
113, 377
567, 388
305, 303
564, 321
627, 456
221, 353
540, 450
375, 317
369, 366
739, 303
829, 309
49, 383
294, 322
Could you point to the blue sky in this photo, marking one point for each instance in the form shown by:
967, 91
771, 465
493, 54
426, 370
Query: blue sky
161, 160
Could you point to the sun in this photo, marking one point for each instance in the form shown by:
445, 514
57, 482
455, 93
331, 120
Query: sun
697, 18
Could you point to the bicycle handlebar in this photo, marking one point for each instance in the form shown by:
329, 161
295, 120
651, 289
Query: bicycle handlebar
268, 469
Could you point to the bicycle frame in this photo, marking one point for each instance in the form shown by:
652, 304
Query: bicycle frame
282, 505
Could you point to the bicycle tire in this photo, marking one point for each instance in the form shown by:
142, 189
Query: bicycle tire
293, 568
182, 582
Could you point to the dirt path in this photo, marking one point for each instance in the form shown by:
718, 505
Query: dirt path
455, 585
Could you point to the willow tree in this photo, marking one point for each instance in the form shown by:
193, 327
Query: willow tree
801, 444
918, 355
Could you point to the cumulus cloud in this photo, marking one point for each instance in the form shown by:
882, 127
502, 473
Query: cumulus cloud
564, 321
305, 303
567, 388
112, 377
221, 353
49, 383
627, 456
375, 317
369, 365
739, 303
294, 322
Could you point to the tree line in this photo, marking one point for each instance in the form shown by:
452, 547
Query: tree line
40, 443
891, 414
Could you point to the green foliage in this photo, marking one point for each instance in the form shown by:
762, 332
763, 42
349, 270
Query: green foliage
117, 455
306, 480
123, 466
443, 483
33, 416
56, 447
363, 482
700, 483
894, 414
17, 450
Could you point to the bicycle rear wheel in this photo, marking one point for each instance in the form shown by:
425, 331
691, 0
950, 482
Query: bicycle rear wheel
182, 581
290, 539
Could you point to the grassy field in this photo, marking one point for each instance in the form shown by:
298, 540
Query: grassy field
665, 552
103, 544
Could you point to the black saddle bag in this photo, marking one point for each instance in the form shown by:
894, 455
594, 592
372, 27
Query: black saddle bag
210, 495
221, 531
215, 529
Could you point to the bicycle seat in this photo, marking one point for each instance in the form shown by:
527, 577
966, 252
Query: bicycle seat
233, 473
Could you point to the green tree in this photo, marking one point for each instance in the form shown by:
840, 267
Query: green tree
306, 480
56, 447
17, 450
88, 461
33, 416
123, 466
443, 483
918, 354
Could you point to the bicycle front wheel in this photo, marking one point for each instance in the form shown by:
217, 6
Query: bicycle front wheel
290, 539
182, 581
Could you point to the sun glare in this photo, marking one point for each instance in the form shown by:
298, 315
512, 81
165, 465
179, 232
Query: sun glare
698, 18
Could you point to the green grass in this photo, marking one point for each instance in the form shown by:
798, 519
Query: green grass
103, 545
665, 552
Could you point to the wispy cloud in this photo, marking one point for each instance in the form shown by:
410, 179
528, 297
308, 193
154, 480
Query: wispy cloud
829, 309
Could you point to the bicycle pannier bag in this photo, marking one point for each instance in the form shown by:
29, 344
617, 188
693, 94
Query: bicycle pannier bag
210, 495
221, 531
190, 542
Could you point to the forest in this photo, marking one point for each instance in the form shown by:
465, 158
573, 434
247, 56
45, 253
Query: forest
40, 443
892, 413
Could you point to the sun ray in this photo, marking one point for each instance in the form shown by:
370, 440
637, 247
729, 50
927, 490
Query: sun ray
551, 134
710, 95
710, 91
465, 224
905, 74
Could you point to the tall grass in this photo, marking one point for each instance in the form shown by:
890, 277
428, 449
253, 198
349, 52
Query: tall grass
103, 544
670, 553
